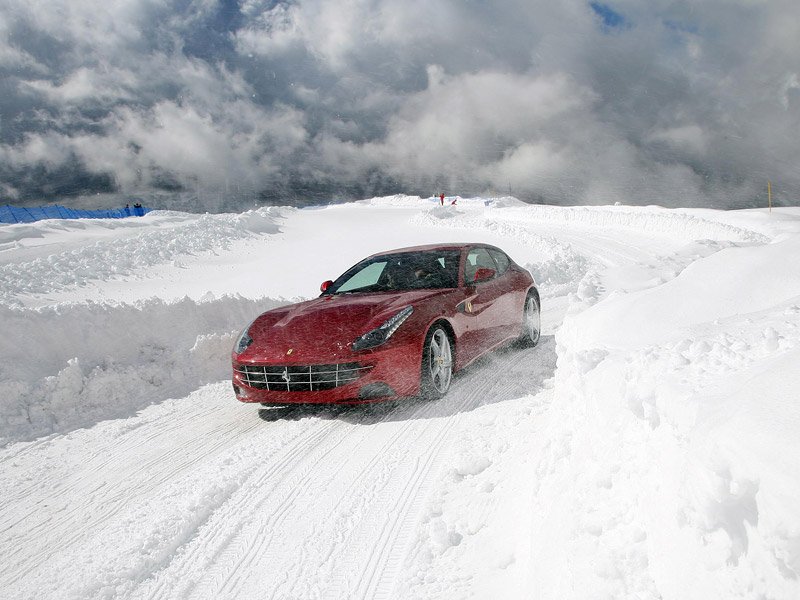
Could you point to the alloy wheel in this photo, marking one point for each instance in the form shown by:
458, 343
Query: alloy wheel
532, 321
440, 362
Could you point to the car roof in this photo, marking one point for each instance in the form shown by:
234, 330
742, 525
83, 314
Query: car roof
428, 247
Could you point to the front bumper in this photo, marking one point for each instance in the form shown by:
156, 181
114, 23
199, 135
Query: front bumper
383, 373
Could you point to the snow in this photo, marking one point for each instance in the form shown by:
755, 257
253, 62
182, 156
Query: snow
647, 448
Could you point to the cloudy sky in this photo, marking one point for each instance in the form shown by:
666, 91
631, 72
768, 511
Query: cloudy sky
220, 104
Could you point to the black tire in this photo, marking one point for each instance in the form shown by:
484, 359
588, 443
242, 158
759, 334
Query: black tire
531, 321
436, 373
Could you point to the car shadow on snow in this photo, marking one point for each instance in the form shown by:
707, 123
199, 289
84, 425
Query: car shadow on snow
508, 373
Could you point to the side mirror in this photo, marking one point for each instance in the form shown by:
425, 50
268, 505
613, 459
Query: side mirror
482, 274
325, 285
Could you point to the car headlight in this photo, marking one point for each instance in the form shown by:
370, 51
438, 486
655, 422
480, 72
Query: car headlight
381, 334
244, 340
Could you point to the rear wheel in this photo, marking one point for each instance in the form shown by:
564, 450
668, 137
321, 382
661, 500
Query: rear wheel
531, 321
437, 364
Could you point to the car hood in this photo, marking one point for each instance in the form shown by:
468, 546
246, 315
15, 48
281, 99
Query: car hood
324, 328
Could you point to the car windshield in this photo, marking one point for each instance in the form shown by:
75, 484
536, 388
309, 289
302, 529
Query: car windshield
430, 269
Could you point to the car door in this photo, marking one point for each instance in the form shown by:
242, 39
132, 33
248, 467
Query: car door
512, 292
485, 299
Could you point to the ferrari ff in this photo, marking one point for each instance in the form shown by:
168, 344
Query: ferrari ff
397, 324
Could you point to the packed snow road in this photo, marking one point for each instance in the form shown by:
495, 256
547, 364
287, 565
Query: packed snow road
130, 471
198, 498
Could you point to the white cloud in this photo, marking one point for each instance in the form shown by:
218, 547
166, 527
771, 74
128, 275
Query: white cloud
689, 138
525, 165
46, 149
196, 146
85, 85
270, 29
685, 104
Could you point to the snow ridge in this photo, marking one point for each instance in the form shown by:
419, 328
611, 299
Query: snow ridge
121, 256
83, 363
556, 276
652, 219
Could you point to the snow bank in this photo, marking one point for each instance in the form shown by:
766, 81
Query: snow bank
119, 248
556, 276
675, 223
650, 219
672, 469
734, 281
70, 366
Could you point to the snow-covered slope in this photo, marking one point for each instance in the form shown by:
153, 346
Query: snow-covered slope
648, 448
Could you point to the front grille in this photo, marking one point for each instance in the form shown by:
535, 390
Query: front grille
305, 378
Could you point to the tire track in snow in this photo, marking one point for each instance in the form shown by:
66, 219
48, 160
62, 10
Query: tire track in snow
297, 471
71, 523
290, 487
102, 508
232, 546
377, 472
361, 481
308, 484
355, 578
396, 545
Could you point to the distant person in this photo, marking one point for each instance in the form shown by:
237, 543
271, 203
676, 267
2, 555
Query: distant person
453, 203
441, 199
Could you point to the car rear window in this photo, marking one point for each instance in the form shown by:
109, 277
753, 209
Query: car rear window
501, 259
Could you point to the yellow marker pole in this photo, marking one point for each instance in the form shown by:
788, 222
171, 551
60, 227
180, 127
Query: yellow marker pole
769, 195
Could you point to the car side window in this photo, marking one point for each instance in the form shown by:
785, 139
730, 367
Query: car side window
448, 262
478, 258
501, 259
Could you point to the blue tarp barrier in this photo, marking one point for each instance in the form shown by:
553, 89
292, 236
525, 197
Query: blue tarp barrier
6, 216
15, 214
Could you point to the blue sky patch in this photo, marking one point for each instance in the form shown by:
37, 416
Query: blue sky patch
611, 18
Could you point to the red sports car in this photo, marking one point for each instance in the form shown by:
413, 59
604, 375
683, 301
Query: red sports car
397, 324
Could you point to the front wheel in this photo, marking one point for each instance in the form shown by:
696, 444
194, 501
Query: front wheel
437, 364
531, 321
